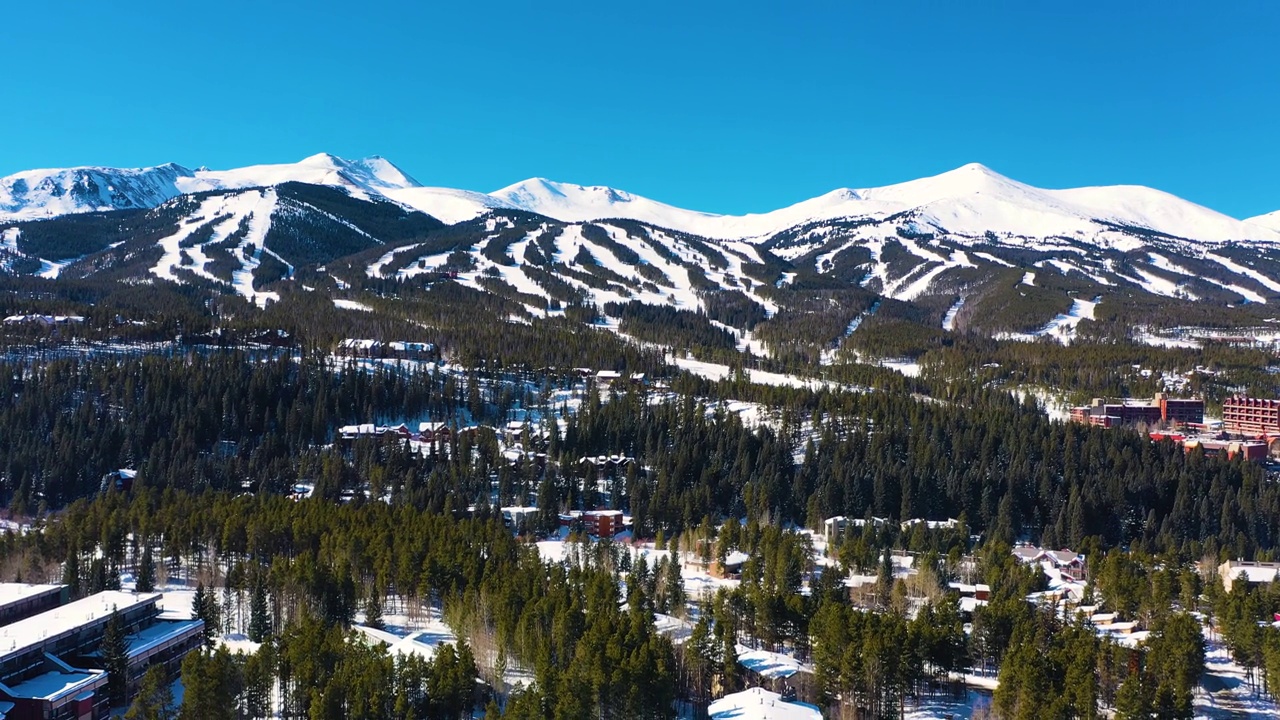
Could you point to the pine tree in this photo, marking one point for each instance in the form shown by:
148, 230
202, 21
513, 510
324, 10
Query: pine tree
212, 686
730, 673
259, 614
115, 656
71, 574
146, 571
259, 672
155, 697
205, 607
373, 608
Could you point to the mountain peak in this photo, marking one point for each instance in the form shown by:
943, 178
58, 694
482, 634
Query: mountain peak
544, 186
322, 158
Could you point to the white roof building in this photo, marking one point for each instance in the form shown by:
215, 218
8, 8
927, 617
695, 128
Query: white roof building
68, 619
760, 704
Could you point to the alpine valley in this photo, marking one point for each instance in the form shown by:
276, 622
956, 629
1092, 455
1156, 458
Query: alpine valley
557, 452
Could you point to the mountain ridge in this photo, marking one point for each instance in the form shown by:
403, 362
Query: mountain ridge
971, 200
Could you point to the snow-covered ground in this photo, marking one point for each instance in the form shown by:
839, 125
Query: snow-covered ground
949, 320
351, 305
941, 707
1224, 691
716, 371
253, 207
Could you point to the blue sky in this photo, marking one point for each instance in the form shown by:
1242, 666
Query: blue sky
725, 107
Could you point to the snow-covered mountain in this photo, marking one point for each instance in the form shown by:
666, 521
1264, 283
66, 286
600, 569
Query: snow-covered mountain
969, 201
37, 194
972, 201
969, 248
1271, 220
369, 176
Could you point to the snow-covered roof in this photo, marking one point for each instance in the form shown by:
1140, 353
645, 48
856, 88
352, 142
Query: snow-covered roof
931, 524
760, 704
422, 643
55, 684
736, 557
37, 630
160, 633
967, 589
768, 664
17, 592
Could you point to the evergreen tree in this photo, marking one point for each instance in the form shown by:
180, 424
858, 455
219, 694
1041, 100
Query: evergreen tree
373, 608
211, 686
71, 574
205, 607
155, 697
259, 614
115, 657
146, 581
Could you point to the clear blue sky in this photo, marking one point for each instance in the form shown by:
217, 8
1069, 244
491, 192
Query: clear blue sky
725, 107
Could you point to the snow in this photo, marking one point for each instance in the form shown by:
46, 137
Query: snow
1155, 284
255, 206
47, 193
767, 664
1168, 265
1270, 221
362, 178
56, 684
993, 259
351, 305
949, 320
424, 264
36, 194
968, 202
1148, 338
716, 371
918, 286
423, 642
907, 368
1246, 271
1029, 278
22, 634
445, 204
259, 224
934, 707
375, 270
9, 240
1224, 691
1063, 326
16, 592
760, 704
239, 644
